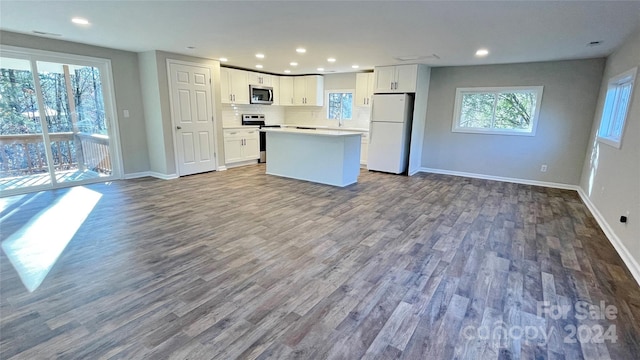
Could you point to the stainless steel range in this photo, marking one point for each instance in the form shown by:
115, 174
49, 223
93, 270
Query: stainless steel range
258, 120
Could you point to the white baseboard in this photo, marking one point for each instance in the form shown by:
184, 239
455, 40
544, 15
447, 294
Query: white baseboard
222, 168
137, 175
622, 250
150, 174
501, 178
163, 176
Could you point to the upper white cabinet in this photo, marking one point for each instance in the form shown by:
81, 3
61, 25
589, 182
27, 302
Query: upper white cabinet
308, 90
275, 83
286, 90
364, 88
260, 79
234, 86
395, 79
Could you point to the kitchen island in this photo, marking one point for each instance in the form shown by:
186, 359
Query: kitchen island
329, 157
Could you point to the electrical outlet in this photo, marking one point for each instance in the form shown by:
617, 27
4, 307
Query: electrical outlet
543, 168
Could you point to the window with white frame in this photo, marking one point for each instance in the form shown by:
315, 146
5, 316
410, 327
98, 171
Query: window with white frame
339, 104
497, 110
616, 107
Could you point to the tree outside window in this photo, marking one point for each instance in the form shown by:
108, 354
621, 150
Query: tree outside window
340, 105
511, 111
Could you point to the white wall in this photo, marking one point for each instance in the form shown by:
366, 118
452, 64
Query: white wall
124, 66
611, 177
316, 115
566, 115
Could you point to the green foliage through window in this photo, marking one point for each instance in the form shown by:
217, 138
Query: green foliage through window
340, 106
497, 109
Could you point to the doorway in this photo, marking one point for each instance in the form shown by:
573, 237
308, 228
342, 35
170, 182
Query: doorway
192, 117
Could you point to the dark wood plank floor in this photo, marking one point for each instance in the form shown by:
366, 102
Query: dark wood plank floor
238, 264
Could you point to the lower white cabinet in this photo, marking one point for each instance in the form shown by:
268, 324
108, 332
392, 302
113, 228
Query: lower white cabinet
364, 148
241, 145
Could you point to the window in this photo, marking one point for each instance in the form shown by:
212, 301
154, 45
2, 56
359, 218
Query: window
616, 107
503, 110
339, 104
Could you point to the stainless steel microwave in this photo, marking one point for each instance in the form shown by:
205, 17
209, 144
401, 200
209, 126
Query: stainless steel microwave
261, 95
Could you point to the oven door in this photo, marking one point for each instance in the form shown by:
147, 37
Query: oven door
261, 95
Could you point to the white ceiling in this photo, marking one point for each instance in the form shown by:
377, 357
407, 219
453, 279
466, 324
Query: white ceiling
366, 33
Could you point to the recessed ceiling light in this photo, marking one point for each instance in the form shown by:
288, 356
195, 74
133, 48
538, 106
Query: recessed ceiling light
287, 71
301, 50
355, 66
191, 47
260, 56
80, 21
331, 60
293, 63
594, 43
482, 52
320, 69
223, 59
259, 66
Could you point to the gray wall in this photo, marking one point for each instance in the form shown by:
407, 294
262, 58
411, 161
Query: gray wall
127, 90
566, 115
149, 81
611, 177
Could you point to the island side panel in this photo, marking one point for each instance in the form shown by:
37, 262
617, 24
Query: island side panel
351, 164
309, 157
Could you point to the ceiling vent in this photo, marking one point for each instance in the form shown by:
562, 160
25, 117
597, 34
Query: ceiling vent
415, 58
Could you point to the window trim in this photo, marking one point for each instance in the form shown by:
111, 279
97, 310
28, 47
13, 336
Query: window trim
628, 76
326, 96
457, 112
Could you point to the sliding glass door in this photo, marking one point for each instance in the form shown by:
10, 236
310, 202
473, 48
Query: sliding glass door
23, 157
55, 127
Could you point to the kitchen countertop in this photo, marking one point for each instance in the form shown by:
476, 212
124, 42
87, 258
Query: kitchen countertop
241, 127
321, 132
325, 127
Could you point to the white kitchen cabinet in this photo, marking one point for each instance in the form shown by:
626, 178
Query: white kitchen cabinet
234, 86
286, 90
395, 79
241, 145
275, 83
260, 79
308, 90
364, 148
364, 89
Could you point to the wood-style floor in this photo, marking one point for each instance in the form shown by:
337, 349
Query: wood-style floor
239, 264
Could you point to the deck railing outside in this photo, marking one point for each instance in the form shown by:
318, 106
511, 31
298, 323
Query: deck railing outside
23, 154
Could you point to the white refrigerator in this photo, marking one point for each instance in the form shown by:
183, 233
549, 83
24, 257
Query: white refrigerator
390, 133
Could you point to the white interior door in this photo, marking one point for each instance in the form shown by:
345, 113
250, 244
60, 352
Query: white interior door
192, 118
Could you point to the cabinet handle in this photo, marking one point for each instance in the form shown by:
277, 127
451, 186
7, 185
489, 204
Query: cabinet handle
396, 85
231, 133
230, 97
392, 85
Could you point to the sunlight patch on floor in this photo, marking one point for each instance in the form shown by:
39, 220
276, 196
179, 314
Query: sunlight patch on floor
35, 248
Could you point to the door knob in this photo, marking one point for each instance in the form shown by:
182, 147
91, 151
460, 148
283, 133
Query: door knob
178, 127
